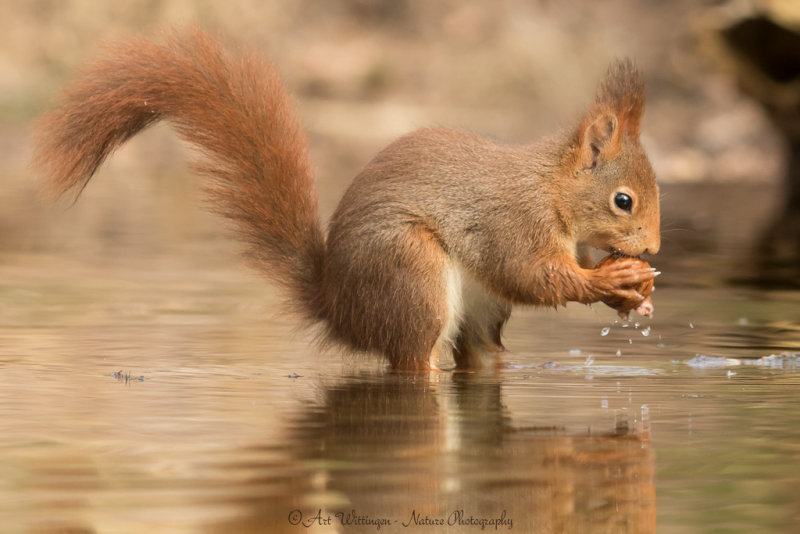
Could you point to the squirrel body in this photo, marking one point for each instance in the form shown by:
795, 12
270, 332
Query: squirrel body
433, 241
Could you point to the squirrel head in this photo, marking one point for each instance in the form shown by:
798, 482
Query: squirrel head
612, 196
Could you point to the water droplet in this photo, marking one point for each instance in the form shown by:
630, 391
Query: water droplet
646, 331
574, 352
691, 325
604, 332
619, 353
589, 361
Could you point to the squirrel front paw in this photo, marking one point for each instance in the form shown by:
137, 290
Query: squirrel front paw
625, 284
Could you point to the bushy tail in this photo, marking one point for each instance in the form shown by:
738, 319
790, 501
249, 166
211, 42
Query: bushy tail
235, 109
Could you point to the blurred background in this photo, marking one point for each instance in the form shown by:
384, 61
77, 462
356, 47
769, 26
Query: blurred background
148, 378
719, 124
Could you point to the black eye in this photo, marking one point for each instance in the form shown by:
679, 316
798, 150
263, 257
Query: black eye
623, 201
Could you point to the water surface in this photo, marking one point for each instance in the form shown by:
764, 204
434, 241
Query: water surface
161, 396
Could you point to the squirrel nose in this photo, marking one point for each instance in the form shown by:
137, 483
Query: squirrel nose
653, 245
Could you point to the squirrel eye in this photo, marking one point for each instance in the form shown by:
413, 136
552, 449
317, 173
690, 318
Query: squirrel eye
623, 201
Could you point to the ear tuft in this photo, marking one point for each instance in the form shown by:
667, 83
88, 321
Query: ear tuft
622, 91
616, 114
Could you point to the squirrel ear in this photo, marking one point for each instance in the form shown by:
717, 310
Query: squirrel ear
598, 139
622, 92
616, 114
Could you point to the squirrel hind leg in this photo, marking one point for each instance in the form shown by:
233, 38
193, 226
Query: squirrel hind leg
412, 303
483, 318
389, 300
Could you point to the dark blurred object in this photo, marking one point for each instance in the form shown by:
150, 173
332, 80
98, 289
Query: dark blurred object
762, 50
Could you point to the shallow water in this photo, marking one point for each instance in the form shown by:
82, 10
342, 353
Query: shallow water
152, 396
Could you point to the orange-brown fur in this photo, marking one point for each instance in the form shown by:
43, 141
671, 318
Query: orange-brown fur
435, 238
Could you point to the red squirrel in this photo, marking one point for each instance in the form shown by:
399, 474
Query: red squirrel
435, 238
